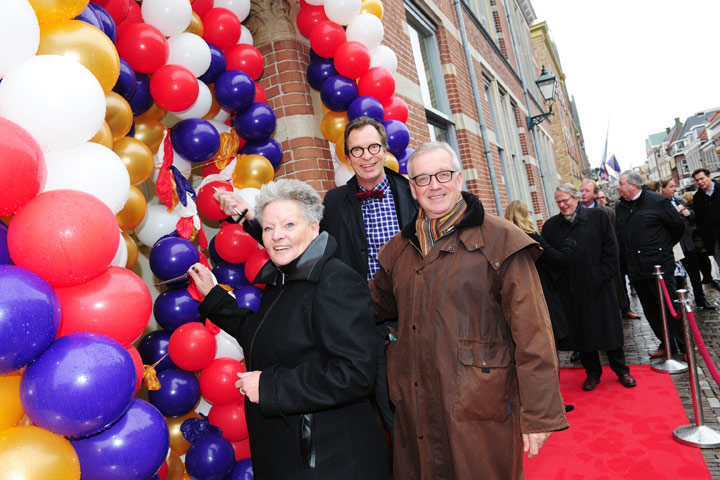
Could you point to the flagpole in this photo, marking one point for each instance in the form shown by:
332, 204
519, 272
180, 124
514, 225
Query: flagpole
607, 134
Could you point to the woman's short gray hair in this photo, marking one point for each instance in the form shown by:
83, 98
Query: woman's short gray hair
427, 147
288, 189
633, 178
570, 189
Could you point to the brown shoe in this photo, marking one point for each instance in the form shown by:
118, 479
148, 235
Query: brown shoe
590, 383
627, 380
660, 352
631, 314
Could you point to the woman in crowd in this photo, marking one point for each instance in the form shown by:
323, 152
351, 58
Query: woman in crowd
309, 349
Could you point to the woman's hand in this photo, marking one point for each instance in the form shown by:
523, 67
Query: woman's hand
249, 385
230, 201
202, 277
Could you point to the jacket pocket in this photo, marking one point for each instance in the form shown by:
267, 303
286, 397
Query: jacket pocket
647, 259
482, 381
307, 442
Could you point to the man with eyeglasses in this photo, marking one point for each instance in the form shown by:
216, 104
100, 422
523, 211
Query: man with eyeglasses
472, 369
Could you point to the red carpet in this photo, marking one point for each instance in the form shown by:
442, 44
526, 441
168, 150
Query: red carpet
619, 433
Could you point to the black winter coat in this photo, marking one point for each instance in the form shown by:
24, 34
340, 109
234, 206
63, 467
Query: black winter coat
344, 221
707, 211
587, 285
687, 243
313, 339
648, 228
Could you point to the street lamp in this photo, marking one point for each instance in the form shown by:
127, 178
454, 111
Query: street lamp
546, 84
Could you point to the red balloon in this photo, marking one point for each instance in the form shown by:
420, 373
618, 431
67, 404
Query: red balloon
137, 360
255, 262
206, 203
308, 17
23, 168
192, 346
118, 9
202, 6
143, 46
396, 109
377, 82
242, 448
234, 244
65, 236
246, 58
221, 27
217, 381
231, 420
134, 15
326, 37
174, 88
260, 94
352, 59
117, 303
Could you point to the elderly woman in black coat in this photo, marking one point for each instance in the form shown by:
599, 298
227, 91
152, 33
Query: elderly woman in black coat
309, 349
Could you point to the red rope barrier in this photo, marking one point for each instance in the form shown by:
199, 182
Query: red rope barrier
674, 314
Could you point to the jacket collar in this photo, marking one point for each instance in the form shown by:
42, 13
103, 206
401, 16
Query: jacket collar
306, 267
474, 215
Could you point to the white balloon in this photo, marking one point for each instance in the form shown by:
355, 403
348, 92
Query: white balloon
383, 56
203, 406
227, 346
249, 194
19, 33
171, 17
367, 29
190, 51
121, 256
343, 173
241, 8
91, 168
201, 106
221, 127
246, 36
342, 12
57, 100
157, 222
222, 115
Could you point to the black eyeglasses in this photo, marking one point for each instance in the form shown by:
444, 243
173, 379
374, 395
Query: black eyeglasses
373, 148
443, 176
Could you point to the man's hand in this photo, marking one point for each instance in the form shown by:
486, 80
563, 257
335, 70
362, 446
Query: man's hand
249, 385
532, 442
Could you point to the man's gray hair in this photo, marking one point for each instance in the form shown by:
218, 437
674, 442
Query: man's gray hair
633, 178
570, 189
310, 202
430, 146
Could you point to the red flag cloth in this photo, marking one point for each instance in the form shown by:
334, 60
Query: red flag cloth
165, 184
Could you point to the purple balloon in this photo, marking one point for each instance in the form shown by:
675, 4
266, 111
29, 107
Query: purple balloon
141, 100
242, 470
173, 256
255, 123
210, 458
248, 296
30, 316
338, 92
403, 160
232, 274
366, 106
398, 136
218, 64
88, 16
82, 384
320, 70
175, 308
134, 447
4, 251
213, 252
125, 84
178, 394
153, 347
108, 24
315, 57
269, 149
234, 90
195, 139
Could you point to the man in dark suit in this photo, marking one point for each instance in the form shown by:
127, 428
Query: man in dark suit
706, 203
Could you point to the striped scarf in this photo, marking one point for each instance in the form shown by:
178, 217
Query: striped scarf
429, 231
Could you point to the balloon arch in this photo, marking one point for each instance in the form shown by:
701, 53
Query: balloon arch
120, 118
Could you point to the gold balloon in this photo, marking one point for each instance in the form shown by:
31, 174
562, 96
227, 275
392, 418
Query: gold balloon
104, 136
178, 444
132, 251
133, 212
196, 25
372, 6
32, 452
325, 109
137, 157
154, 112
54, 10
11, 411
252, 171
6, 219
214, 107
340, 150
118, 115
150, 132
391, 162
85, 44
333, 125
176, 467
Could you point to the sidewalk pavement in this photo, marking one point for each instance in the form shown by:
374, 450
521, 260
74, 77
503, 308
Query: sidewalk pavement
640, 341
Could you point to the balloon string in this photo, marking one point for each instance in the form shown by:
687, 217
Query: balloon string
150, 375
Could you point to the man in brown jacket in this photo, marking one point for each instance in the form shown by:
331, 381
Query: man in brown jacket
472, 369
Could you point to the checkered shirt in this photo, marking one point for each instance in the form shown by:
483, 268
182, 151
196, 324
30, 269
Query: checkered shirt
381, 223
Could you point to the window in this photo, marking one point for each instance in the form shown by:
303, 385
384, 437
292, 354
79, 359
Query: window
480, 9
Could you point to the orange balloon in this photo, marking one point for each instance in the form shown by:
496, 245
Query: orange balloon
154, 112
325, 109
150, 132
178, 444
340, 150
391, 162
252, 171
132, 251
104, 136
133, 212
333, 125
137, 157
372, 6
54, 10
214, 107
118, 115
11, 411
32, 452
6, 219
176, 467
196, 25
85, 44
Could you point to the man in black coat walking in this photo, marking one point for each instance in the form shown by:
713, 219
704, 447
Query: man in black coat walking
706, 203
648, 226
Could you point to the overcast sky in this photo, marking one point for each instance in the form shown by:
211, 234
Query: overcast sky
640, 63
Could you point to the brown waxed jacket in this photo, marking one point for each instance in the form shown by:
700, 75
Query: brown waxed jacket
474, 364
